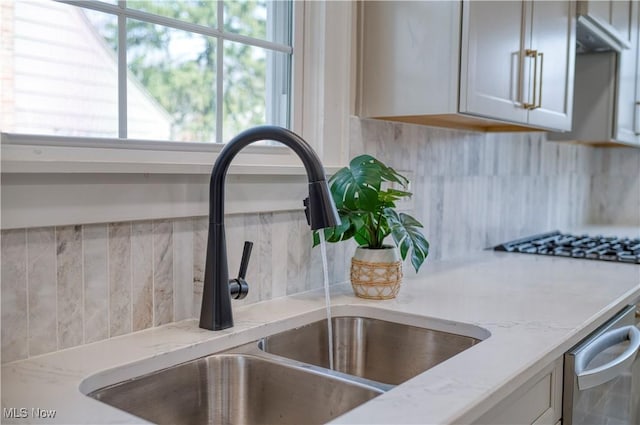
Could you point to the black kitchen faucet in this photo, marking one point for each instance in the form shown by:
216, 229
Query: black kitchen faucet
319, 208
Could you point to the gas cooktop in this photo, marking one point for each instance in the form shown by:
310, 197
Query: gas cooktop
610, 248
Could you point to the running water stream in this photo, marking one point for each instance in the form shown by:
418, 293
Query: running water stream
327, 298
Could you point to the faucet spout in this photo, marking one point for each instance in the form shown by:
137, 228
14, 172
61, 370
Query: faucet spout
321, 211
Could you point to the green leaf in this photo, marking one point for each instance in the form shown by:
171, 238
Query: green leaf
316, 238
335, 234
408, 237
355, 188
350, 223
362, 238
392, 195
391, 175
386, 173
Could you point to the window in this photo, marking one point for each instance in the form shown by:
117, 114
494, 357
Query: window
61, 180
175, 70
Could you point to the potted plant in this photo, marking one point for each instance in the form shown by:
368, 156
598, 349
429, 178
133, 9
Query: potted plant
366, 204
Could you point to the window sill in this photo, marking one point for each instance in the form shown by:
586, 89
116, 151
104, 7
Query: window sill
140, 159
56, 186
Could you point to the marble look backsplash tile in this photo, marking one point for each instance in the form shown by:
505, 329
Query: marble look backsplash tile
279, 254
79, 284
183, 268
615, 199
42, 290
69, 273
297, 265
15, 343
71, 285
141, 276
475, 190
263, 249
615, 187
119, 279
200, 231
162, 272
96, 282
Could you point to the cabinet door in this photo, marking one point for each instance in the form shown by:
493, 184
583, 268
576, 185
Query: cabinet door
553, 51
490, 73
636, 122
599, 9
625, 15
408, 67
537, 401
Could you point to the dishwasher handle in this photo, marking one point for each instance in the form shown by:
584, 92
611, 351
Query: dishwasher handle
589, 378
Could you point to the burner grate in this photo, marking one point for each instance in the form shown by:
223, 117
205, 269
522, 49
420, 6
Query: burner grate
625, 250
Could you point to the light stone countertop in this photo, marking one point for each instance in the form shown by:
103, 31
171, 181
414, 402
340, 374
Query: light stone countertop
535, 308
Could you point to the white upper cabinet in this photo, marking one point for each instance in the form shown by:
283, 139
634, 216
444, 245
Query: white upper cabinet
598, 9
502, 65
636, 104
492, 71
518, 61
607, 85
554, 44
626, 116
410, 58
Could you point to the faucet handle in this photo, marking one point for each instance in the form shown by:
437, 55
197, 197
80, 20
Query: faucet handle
238, 287
305, 202
244, 262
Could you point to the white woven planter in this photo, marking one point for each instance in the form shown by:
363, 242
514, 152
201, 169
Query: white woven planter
376, 273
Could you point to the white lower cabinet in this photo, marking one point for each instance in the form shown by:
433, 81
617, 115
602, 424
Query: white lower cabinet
537, 402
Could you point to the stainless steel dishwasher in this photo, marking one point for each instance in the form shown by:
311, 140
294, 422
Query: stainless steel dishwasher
602, 375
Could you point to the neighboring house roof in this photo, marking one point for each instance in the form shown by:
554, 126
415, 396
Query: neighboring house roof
65, 78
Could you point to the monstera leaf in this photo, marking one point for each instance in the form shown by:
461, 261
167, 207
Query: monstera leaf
407, 236
357, 187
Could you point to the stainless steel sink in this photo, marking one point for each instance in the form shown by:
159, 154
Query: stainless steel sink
284, 378
237, 388
374, 349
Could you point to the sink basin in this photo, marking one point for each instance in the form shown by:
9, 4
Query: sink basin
374, 349
236, 388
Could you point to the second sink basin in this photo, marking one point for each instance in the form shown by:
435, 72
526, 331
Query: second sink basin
374, 349
233, 389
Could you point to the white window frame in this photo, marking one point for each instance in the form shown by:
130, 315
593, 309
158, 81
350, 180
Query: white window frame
42, 176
